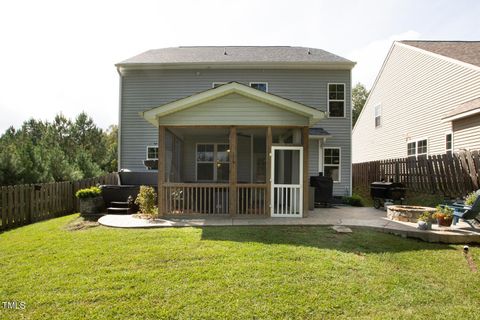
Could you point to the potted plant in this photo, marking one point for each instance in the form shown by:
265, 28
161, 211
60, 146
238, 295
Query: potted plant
425, 221
91, 201
444, 216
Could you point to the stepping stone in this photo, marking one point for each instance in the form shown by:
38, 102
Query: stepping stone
342, 229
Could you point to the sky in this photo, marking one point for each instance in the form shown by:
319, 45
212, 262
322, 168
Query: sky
59, 56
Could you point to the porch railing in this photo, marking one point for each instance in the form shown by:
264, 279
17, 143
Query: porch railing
213, 198
251, 199
196, 198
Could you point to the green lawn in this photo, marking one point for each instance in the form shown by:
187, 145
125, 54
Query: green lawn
231, 273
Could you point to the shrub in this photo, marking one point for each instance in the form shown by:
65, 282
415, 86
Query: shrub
443, 212
471, 197
146, 200
355, 200
88, 193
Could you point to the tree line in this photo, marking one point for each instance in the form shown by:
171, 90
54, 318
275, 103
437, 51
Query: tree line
61, 150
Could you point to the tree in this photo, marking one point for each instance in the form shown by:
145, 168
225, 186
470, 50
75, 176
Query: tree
359, 97
60, 150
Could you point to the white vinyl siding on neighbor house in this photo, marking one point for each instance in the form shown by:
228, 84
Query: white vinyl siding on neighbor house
466, 133
415, 90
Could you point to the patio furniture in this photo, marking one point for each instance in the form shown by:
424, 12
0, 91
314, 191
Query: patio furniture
466, 213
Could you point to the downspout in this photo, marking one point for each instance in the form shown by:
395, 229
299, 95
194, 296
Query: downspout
119, 131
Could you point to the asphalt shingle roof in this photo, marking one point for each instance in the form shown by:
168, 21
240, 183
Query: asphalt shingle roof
465, 51
464, 107
235, 54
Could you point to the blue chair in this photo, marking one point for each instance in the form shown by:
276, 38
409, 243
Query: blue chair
466, 213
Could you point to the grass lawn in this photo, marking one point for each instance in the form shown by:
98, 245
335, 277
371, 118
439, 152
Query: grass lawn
231, 273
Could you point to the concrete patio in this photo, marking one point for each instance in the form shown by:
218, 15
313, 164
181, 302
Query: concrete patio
337, 216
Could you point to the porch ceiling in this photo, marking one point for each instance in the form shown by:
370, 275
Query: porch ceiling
298, 110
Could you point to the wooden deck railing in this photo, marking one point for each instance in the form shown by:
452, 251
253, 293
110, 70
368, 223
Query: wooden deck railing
251, 199
213, 198
196, 198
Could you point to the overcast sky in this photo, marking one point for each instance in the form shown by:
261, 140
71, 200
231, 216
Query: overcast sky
59, 56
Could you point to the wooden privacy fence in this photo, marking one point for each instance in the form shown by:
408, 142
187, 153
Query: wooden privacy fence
453, 175
29, 203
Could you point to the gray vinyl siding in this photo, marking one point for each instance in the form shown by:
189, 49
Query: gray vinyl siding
234, 109
145, 89
415, 91
313, 157
466, 133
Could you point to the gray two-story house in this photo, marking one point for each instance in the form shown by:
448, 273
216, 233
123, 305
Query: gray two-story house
236, 130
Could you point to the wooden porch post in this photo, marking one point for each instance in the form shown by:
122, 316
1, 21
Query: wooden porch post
232, 203
268, 169
161, 170
305, 131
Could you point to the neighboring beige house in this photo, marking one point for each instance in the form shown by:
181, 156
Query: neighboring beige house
425, 100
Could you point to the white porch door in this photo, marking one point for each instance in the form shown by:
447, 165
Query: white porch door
286, 185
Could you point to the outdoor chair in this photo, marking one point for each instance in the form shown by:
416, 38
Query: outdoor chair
467, 213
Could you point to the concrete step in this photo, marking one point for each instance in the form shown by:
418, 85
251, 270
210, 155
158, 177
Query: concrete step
115, 210
119, 204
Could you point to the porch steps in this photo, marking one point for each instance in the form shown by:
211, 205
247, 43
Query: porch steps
116, 210
120, 204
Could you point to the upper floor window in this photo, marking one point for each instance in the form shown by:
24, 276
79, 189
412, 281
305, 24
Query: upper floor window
417, 148
331, 163
217, 84
448, 143
336, 100
152, 153
378, 116
263, 86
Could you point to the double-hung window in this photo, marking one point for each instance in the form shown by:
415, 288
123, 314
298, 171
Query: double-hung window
378, 116
152, 153
336, 100
212, 162
262, 86
448, 143
331, 163
417, 148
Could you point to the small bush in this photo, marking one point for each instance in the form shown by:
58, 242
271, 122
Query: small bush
88, 193
355, 200
426, 216
146, 200
471, 197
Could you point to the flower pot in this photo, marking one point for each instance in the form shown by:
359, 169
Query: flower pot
91, 205
444, 221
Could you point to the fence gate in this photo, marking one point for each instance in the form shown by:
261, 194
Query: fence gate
287, 189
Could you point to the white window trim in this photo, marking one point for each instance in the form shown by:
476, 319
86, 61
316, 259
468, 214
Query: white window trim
215, 145
344, 99
259, 82
416, 147
218, 83
152, 146
379, 106
330, 165
445, 141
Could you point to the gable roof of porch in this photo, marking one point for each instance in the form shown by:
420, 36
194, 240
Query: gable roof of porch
279, 107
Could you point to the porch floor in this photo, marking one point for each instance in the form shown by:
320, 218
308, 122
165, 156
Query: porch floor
343, 216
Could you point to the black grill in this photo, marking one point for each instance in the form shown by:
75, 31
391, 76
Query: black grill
323, 189
382, 192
